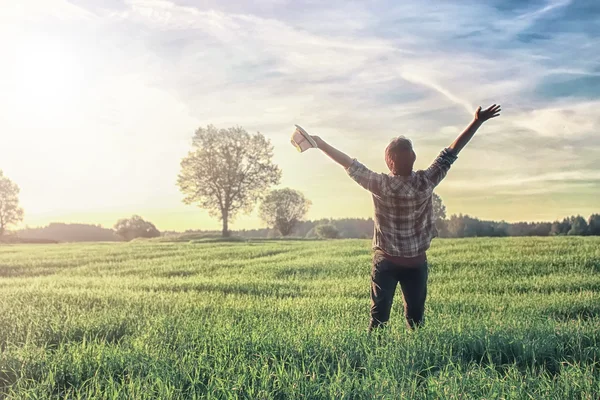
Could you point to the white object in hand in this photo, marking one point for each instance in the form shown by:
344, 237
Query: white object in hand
302, 140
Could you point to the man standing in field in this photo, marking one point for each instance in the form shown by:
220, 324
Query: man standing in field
404, 221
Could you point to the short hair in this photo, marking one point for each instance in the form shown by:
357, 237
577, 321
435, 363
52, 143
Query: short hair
395, 155
399, 143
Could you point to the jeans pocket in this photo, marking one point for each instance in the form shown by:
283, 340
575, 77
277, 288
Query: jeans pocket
381, 269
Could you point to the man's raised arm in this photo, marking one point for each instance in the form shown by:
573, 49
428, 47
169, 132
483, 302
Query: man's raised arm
440, 166
339, 157
366, 178
480, 117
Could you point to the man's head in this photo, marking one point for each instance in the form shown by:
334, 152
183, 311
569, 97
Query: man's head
400, 156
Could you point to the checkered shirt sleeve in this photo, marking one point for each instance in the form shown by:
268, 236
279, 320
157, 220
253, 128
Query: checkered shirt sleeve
440, 166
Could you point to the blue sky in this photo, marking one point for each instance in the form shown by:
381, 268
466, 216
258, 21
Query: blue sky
102, 98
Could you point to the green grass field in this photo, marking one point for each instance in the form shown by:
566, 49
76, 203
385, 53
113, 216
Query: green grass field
506, 318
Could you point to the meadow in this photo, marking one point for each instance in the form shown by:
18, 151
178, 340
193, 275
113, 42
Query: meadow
506, 318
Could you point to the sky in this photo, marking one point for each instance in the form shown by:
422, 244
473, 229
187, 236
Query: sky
99, 100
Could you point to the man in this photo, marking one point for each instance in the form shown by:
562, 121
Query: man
404, 222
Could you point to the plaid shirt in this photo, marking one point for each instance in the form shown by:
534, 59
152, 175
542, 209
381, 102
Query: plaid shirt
404, 224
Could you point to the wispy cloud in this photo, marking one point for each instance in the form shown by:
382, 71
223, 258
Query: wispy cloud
526, 19
524, 179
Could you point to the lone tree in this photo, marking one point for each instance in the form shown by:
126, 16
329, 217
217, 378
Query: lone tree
10, 212
283, 209
135, 227
227, 171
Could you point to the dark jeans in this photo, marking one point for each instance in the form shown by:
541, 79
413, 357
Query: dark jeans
385, 276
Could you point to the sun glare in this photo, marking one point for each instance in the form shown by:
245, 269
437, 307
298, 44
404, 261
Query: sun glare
48, 77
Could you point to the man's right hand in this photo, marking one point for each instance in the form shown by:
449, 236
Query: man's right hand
491, 112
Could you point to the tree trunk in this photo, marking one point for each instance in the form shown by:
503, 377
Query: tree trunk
225, 224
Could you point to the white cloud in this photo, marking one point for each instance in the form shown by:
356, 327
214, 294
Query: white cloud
567, 120
526, 179
40, 10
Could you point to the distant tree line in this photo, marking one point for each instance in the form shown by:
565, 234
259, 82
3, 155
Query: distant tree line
454, 227
125, 229
457, 226
466, 226
323, 228
69, 233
